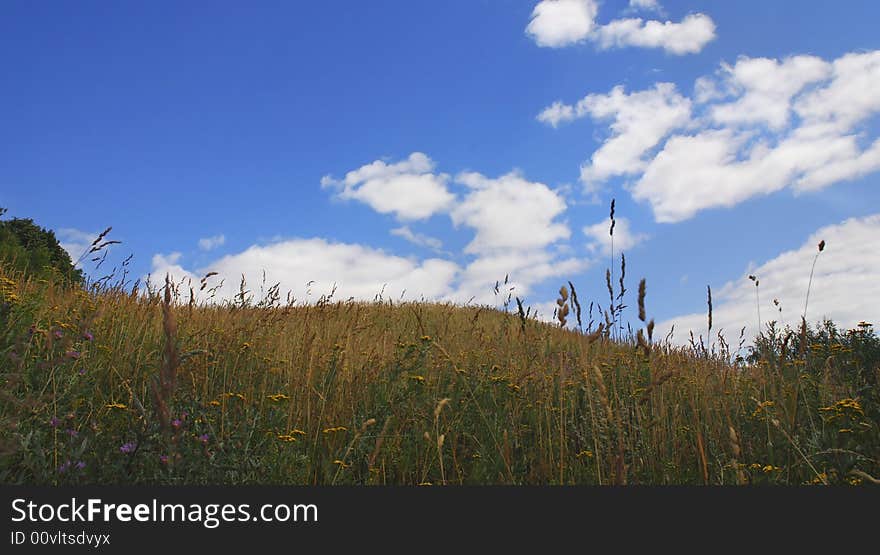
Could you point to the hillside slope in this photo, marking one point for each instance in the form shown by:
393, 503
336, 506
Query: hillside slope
103, 386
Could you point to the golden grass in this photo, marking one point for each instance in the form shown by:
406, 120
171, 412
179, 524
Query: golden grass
464, 395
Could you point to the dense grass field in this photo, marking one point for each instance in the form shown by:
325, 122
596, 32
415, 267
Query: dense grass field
102, 385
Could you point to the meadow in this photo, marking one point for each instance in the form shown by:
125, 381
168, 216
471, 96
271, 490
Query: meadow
110, 384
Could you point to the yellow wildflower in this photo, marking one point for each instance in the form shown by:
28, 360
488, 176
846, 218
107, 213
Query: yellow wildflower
762, 407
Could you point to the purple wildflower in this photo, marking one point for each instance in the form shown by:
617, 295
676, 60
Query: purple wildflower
80, 465
82, 372
88, 336
58, 334
163, 459
72, 433
73, 354
176, 422
203, 438
64, 467
54, 422
128, 447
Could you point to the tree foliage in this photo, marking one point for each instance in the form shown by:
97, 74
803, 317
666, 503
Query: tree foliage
33, 250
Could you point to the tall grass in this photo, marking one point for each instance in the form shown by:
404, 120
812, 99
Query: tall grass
101, 385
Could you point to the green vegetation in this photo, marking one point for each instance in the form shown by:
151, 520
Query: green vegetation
104, 385
30, 249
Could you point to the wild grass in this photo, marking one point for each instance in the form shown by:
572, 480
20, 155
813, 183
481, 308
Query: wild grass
101, 385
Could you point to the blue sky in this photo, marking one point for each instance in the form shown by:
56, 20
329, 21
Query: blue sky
437, 147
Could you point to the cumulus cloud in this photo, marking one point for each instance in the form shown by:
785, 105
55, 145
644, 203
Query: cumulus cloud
721, 168
407, 189
753, 128
686, 37
75, 241
318, 265
524, 268
211, 243
846, 275
639, 120
418, 239
645, 5
849, 97
516, 224
763, 89
309, 268
169, 265
509, 212
624, 237
852, 164
558, 113
558, 23
516, 221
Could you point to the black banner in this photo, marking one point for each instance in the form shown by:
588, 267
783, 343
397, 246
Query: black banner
112, 519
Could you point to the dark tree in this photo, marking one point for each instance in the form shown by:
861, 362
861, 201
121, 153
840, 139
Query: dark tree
29, 248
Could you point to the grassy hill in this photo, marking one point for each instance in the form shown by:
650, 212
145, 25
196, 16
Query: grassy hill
103, 385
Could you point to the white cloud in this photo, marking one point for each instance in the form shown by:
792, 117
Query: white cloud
526, 268
754, 128
417, 238
639, 120
557, 113
707, 89
75, 241
851, 95
407, 189
845, 284
686, 37
509, 213
211, 243
309, 268
624, 238
558, 23
851, 166
169, 265
645, 5
720, 168
357, 271
765, 87
516, 223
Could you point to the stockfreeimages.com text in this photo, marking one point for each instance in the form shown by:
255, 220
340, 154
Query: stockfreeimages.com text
210, 515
